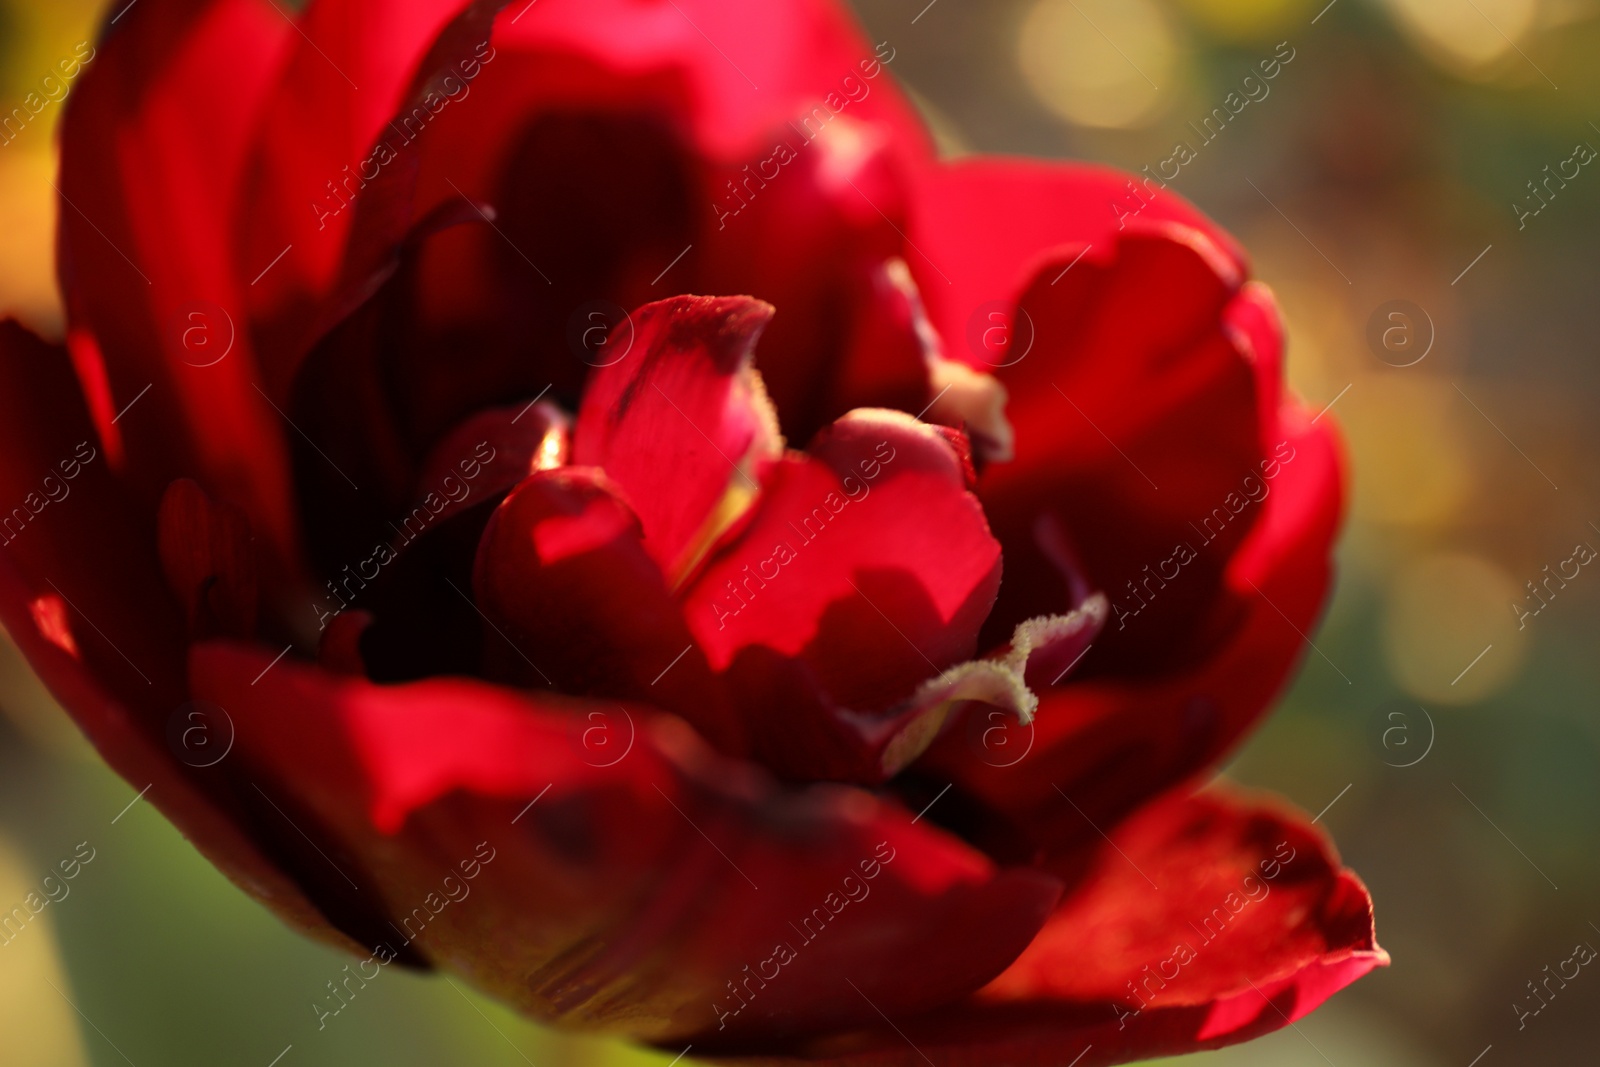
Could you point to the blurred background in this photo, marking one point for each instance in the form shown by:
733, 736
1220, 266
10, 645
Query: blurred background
1452, 739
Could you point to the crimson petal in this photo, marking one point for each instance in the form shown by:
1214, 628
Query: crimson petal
631, 891
82, 595
682, 423
563, 574
868, 559
984, 227
750, 69
1254, 924
303, 175
1122, 476
153, 150
1112, 742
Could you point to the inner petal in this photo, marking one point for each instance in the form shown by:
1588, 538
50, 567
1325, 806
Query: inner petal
867, 558
685, 395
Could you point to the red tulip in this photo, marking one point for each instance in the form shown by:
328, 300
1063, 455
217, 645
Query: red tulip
468, 620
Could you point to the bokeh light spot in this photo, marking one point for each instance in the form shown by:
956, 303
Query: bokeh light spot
1443, 612
1458, 37
1098, 63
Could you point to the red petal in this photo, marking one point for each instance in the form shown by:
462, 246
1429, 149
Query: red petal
468, 320
847, 336
1179, 861
623, 890
81, 594
890, 347
491, 453
802, 734
576, 111
1114, 741
868, 560
1254, 925
800, 53
153, 149
357, 177
1167, 691
799, 732
68, 528
985, 226
1109, 406
1254, 322
208, 560
619, 112
304, 174
681, 422
562, 572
